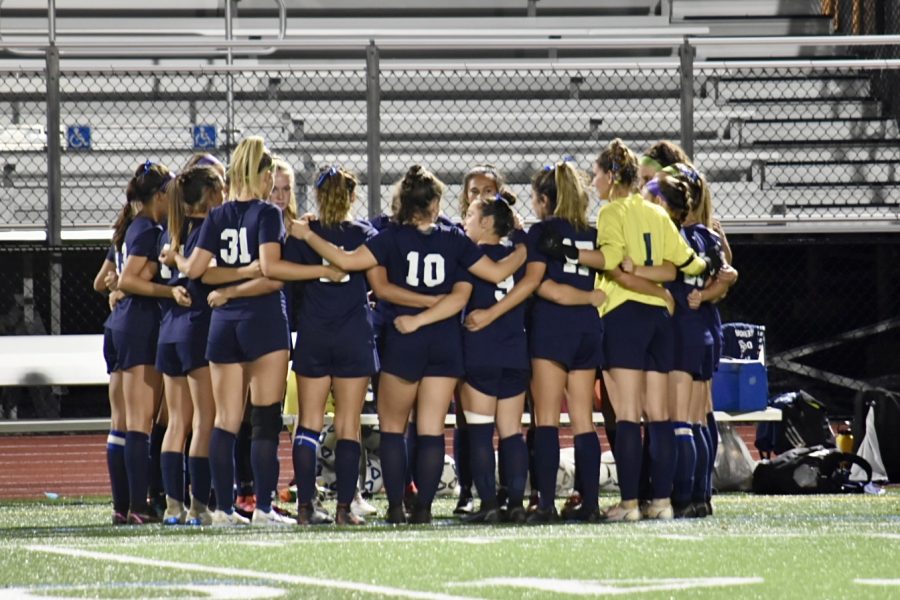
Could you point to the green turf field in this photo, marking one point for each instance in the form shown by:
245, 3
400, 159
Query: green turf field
754, 547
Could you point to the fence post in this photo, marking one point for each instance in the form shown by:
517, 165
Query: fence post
229, 79
54, 150
373, 128
687, 52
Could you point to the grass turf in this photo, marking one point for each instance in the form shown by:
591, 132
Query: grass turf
754, 547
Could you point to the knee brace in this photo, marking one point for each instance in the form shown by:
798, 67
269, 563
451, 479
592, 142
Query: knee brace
266, 422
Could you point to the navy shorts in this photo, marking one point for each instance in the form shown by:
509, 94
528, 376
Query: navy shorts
432, 351
575, 351
109, 351
710, 363
693, 348
348, 351
177, 359
640, 337
123, 350
499, 382
718, 342
246, 340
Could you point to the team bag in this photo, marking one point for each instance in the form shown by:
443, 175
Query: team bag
817, 470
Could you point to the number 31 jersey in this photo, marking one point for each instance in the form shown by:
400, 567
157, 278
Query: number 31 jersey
427, 262
233, 233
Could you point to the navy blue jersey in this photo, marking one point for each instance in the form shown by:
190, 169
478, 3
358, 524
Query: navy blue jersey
704, 243
563, 318
176, 328
137, 314
324, 304
503, 343
165, 275
380, 222
233, 233
428, 262
111, 257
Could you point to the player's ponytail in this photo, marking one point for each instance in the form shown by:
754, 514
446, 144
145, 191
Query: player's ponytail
571, 195
418, 189
149, 179
701, 198
191, 193
500, 207
619, 160
249, 161
335, 189
675, 192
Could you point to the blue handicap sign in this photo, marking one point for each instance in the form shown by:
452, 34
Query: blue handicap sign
204, 137
78, 137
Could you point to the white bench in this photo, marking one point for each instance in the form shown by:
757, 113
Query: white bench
78, 360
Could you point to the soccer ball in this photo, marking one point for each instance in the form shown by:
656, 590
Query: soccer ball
327, 444
609, 478
449, 483
565, 476
374, 481
327, 481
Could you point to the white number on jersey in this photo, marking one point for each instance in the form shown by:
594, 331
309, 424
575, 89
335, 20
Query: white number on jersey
433, 269
238, 249
165, 272
696, 280
344, 279
503, 288
578, 269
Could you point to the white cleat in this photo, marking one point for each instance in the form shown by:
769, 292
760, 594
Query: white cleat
361, 507
660, 509
175, 513
222, 519
199, 514
271, 519
620, 514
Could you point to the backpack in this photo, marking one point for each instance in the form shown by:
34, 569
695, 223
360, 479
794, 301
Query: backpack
804, 424
875, 427
816, 470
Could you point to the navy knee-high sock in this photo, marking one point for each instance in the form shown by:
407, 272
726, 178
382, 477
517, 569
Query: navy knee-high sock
546, 464
587, 463
305, 453
532, 468
346, 467
685, 463
628, 453
412, 436
481, 454
645, 491
242, 467
198, 467
463, 458
712, 429
393, 466
156, 485
221, 467
429, 468
264, 460
662, 453
118, 475
137, 465
701, 469
514, 458
172, 465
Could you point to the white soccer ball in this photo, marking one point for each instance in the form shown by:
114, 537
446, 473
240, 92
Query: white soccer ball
449, 483
327, 480
609, 478
565, 476
374, 479
327, 444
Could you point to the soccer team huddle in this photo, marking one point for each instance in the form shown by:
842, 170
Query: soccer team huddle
481, 313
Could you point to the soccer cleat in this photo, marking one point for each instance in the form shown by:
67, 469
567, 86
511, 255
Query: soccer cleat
119, 518
410, 494
135, 518
570, 508
345, 516
421, 515
488, 516
361, 507
270, 519
220, 518
685, 511
516, 515
586, 515
533, 502
465, 505
395, 515
245, 505
619, 514
175, 513
309, 514
542, 516
199, 514
660, 510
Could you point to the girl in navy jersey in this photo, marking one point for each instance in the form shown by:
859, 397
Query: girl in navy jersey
423, 348
134, 324
335, 348
497, 369
248, 335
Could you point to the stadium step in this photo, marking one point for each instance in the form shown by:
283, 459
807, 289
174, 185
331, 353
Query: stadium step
800, 131
762, 25
701, 9
807, 108
829, 173
786, 89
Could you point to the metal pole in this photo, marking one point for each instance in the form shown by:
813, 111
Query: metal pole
229, 79
687, 52
373, 128
54, 150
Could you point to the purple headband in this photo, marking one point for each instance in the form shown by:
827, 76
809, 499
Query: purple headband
326, 175
208, 160
654, 188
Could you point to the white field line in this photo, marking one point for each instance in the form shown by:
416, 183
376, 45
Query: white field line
887, 582
232, 572
608, 587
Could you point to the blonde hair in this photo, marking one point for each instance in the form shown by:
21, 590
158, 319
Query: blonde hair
249, 160
565, 189
282, 166
619, 160
334, 194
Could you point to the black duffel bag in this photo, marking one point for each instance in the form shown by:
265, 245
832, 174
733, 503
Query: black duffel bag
816, 470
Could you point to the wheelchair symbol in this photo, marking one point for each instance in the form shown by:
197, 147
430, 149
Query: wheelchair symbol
78, 137
204, 136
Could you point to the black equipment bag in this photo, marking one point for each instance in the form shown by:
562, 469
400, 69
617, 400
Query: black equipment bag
816, 470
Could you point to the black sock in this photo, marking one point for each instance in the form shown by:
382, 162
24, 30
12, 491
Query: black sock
514, 457
172, 465
155, 482
628, 452
393, 466
198, 466
118, 474
685, 463
546, 464
701, 468
587, 462
221, 466
462, 457
481, 454
346, 466
429, 468
412, 436
243, 468
305, 454
137, 465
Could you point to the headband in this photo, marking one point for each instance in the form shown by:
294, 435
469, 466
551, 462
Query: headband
208, 160
649, 161
325, 176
